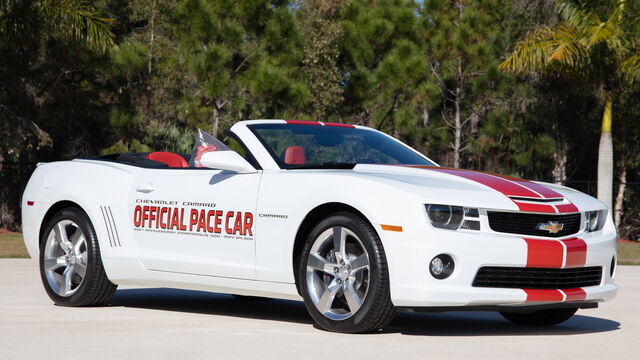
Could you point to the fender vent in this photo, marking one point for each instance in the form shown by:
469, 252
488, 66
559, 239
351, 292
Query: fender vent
110, 224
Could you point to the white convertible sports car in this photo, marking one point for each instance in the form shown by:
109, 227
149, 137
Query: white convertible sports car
349, 219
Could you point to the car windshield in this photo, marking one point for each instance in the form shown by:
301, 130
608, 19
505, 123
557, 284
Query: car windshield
301, 146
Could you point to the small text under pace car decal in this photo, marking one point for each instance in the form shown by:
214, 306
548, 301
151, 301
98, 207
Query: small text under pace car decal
192, 218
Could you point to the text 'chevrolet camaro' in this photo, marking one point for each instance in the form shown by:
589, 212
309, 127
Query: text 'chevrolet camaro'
349, 219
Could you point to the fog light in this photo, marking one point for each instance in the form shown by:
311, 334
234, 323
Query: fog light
441, 266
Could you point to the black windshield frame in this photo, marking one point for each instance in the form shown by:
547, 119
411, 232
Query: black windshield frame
422, 160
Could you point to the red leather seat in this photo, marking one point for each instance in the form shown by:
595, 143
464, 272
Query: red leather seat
294, 155
171, 159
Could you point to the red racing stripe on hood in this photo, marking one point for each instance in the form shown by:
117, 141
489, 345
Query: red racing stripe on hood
567, 208
503, 186
511, 186
530, 207
540, 189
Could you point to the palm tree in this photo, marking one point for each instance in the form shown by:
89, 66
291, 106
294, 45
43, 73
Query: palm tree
75, 20
604, 52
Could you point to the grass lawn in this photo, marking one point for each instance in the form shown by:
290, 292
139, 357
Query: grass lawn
11, 246
628, 253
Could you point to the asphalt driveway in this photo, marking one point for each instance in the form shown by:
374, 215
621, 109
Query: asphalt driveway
179, 324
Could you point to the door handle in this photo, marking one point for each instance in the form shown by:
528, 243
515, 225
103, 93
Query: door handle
145, 188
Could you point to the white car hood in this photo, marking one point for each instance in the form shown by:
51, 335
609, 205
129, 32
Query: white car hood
483, 190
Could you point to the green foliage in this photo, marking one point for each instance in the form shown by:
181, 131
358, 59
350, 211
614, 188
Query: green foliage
79, 78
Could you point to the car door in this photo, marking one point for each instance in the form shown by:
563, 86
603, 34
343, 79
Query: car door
196, 221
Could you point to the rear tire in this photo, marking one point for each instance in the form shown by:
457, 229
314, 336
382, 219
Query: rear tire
345, 282
540, 318
70, 264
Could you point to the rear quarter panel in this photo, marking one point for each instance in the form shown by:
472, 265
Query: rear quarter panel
94, 186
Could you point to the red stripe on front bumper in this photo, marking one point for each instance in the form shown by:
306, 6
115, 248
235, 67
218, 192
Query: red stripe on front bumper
575, 294
576, 252
544, 253
543, 295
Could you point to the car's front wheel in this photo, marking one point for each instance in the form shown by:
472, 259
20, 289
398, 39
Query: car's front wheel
70, 264
540, 318
343, 276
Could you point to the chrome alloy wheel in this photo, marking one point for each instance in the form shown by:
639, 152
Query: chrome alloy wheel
65, 258
338, 273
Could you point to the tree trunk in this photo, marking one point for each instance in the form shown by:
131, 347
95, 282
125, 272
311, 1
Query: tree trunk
216, 118
559, 171
425, 117
457, 132
152, 37
619, 209
605, 157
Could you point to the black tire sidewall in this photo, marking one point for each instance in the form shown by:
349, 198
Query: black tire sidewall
85, 292
378, 274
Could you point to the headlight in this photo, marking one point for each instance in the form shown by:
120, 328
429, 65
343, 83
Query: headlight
594, 220
453, 217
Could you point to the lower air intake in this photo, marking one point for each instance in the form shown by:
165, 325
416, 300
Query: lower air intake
537, 278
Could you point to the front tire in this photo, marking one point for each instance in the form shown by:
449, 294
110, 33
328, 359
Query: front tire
540, 318
70, 265
343, 276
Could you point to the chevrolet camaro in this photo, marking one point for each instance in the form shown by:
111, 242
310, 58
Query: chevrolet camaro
348, 219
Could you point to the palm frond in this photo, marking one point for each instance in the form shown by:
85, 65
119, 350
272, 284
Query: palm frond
532, 53
630, 70
569, 49
78, 20
576, 15
545, 46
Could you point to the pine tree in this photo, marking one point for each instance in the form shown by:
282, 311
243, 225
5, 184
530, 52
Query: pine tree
464, 41
240, 60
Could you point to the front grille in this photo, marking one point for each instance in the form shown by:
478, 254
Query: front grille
537, 278
527, 224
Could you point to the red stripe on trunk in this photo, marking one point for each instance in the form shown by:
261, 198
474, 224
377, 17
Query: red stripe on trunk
544, 253
542, 208
575, 294
543, 295
576, 252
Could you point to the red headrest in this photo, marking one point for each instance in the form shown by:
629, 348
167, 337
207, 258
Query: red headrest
294, 155
171, 159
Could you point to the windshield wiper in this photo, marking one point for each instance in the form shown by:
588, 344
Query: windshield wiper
324, 165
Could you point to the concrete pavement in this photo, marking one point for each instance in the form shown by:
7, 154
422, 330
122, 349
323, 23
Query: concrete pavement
178, 324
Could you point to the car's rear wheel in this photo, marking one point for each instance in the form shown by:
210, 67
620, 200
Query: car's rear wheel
70, 264
343, 276
540, 318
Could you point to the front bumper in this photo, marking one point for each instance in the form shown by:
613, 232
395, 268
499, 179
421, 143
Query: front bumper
410, 252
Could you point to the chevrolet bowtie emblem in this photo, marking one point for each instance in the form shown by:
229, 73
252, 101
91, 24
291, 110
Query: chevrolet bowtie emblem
552, 226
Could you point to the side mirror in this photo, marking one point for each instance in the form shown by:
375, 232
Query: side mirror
226, 160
